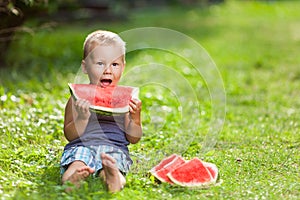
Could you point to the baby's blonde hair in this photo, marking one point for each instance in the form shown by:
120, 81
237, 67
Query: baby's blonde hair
102, 37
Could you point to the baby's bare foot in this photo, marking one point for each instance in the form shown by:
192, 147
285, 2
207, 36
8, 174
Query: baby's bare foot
113, 178
80, 174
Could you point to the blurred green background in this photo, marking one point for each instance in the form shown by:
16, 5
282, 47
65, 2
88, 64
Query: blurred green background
15, 13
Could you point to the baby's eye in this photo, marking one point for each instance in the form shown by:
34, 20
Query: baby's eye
100, 63
115, 64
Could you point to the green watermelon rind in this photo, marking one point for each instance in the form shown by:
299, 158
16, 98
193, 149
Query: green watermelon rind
105, 110
193, 184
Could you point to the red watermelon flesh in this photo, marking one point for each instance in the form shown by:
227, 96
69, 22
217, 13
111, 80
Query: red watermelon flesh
213, 170
164, 162
168, 164
193, 173
161, 174
109, 99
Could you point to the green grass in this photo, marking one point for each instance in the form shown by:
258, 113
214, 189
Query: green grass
255, 46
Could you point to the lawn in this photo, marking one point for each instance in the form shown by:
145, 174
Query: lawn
251, 134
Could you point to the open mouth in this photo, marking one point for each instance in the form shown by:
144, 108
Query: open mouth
105, 82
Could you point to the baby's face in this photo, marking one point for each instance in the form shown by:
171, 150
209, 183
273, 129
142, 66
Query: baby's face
104, 65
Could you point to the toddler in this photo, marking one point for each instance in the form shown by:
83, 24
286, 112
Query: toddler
97, 143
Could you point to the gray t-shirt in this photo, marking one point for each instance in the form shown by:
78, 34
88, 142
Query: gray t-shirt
103, 130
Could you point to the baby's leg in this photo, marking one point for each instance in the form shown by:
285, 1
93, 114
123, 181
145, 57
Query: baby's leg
76, 172
113, 178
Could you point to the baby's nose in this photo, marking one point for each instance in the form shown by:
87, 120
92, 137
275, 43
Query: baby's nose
107, 69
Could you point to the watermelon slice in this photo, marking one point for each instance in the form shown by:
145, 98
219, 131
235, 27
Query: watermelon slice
168, 164
194, 173
164, 162
105, 100
213, 170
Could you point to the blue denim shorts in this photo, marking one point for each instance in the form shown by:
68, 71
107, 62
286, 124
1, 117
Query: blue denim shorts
91, 157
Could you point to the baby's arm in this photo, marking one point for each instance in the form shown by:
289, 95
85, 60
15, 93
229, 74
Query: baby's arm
133, 121
76, 118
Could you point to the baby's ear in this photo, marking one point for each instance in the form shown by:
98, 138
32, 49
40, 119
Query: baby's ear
83, 67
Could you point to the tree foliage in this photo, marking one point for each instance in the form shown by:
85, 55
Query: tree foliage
13, 13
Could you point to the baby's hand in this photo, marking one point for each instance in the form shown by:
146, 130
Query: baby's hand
135, 107
82, 107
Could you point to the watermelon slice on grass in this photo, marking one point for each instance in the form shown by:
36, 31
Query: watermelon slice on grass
105, 100
168, 164
192, 173
213, 170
